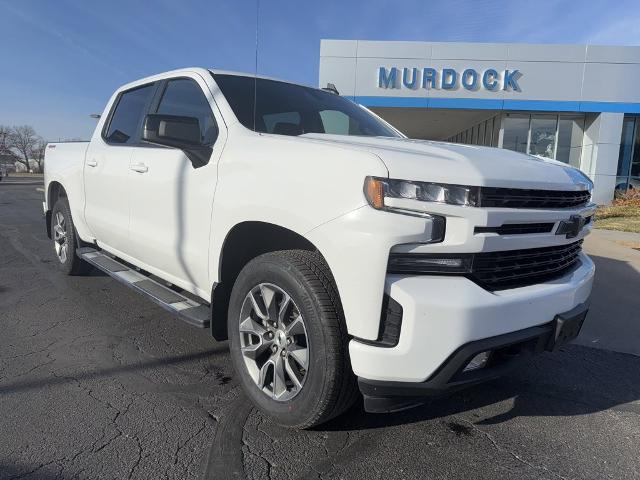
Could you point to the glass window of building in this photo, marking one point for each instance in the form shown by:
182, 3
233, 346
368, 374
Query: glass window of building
543, 135
487, 132
635, 160
516, 132
474, 135
629, 157
570, 132
551, 136
495, 138
481, 133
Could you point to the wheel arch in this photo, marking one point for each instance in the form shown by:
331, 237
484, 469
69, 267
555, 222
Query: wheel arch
244, 242
55, 190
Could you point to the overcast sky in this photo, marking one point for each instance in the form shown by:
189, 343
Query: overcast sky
61, 60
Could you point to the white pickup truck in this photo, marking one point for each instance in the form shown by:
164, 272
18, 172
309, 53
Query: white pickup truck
332, 251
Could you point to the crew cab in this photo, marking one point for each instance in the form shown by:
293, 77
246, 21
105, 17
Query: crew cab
329, 249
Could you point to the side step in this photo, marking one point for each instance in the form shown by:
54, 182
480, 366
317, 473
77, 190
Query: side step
184, 308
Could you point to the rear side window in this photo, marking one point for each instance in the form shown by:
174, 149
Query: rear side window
184, 97
128, 114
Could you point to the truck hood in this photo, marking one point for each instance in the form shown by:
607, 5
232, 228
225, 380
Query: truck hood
439, 162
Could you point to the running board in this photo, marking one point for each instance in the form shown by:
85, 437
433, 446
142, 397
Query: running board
184, 308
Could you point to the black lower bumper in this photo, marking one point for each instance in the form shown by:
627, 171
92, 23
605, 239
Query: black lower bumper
505, 353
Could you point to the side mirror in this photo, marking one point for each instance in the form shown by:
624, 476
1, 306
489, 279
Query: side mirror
178, 132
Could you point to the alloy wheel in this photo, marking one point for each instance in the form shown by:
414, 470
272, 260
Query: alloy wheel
60, 242
273, 341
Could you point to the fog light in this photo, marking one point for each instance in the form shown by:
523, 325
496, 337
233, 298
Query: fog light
477, 362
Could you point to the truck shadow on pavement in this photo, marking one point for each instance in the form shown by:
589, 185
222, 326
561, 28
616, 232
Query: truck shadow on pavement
571, 385
43, 383
575, 381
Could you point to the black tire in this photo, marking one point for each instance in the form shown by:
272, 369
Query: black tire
329, 386
70, 263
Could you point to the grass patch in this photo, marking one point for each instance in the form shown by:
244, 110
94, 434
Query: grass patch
622, 215
622, 224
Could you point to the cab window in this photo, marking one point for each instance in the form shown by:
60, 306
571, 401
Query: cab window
184, 97
127, 116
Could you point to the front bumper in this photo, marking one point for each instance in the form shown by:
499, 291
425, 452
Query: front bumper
504, 353
442, 314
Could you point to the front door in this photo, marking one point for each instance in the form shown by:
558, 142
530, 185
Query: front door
171, 201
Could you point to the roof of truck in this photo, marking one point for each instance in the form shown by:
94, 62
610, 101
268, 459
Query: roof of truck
217, 71
201, 70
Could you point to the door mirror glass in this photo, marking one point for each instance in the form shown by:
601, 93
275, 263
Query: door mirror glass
178, 132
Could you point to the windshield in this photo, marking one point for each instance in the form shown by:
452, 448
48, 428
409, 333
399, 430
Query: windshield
287, 109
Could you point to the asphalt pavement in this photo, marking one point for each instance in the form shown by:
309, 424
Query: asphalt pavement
97, 382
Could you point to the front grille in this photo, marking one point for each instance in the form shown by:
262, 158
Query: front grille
519, 268
524, 198
492, 270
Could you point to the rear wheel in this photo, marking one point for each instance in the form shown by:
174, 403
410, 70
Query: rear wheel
288, 339
65, 240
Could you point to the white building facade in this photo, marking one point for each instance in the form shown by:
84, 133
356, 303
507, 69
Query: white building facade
578, 104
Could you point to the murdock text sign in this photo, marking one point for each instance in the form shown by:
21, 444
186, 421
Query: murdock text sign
448, 79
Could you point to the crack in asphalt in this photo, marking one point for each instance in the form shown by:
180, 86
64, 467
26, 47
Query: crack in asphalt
500, 448
138, 460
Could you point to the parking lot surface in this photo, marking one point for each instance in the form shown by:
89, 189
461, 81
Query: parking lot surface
97, 382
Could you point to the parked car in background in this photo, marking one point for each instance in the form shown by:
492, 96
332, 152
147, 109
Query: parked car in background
332, 251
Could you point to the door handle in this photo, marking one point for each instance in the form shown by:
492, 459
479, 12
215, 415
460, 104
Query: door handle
92, 163
139, 167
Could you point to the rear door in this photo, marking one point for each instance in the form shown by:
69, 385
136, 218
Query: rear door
171, 200
107, 172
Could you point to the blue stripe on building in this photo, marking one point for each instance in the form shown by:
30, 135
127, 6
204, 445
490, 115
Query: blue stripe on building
491, 104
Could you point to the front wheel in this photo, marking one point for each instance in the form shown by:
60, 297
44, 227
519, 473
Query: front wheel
288, 339
65, 241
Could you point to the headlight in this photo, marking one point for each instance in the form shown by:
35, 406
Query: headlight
377, 189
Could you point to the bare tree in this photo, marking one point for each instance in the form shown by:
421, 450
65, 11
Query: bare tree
37, 154
5, 133
22, 141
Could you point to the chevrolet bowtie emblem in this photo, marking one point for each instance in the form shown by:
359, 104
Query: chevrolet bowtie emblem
571, 228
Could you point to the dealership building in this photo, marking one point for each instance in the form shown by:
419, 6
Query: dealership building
579, 104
